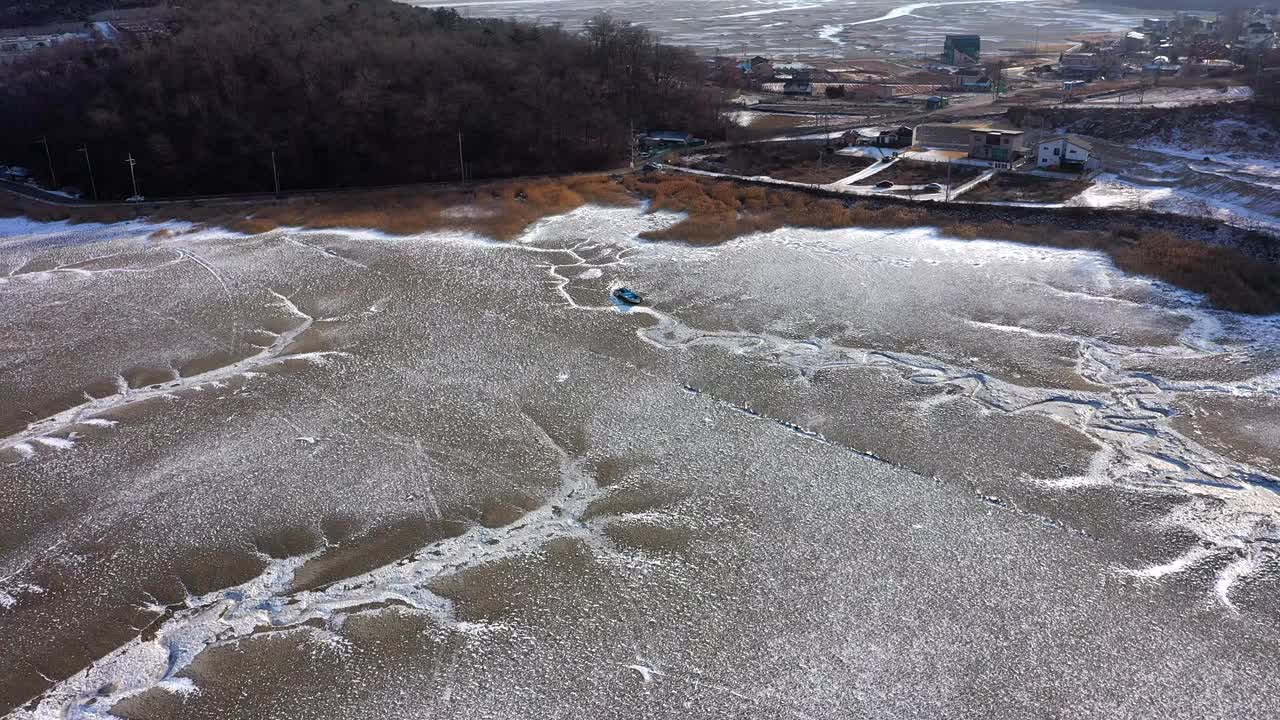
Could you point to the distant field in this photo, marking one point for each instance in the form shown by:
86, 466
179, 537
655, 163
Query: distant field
909, 172
829, 28
798, 162
1026, 188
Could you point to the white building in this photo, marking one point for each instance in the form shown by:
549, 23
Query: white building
1065, 152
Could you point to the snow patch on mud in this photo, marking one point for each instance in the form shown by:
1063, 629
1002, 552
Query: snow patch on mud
1114, 191
1233, 510
1170, 97
268, 602
47, 431
468, 212
11, 595
19, 229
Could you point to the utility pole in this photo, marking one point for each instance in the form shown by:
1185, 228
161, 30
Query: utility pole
947, 195
131, 162
462, 165
631, 119
1035, 47
92, 183
275, 174
44, 139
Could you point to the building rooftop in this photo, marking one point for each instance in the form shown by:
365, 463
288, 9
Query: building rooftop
1073, 139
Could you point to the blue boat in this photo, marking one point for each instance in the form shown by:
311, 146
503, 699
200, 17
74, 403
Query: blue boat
628, 296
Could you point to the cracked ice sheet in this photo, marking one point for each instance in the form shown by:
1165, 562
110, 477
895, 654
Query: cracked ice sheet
86, 309
1019, 312
753, 565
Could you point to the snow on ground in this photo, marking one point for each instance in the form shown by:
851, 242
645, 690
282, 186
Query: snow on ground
831, 33
867, 152
1111, 190
747, 118
835, 135
467, 211
1172, 97
866, 172
1229, 169
1241, 141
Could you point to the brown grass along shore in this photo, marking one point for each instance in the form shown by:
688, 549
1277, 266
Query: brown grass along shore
717, 211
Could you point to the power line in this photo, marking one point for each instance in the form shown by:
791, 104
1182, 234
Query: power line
44, 139
275, 174
131, 162
462, 163
93, 184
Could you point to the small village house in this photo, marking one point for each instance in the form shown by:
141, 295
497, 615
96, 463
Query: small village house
898, 137
995, 145
759, 69
1067, 153
1134, 41
667, 139
943, 136
1081, 66
799, 84
961, 49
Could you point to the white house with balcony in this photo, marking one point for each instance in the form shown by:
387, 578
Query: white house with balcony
1067, 153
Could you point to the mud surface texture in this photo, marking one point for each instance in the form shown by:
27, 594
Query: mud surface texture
818, 473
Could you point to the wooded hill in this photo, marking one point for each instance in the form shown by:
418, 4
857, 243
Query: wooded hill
346, 93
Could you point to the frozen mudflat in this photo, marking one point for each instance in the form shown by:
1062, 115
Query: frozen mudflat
852, 473
784, 29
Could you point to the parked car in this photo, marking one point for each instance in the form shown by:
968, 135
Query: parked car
628, 296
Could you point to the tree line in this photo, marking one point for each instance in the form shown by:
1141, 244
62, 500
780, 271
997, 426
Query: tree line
345, 93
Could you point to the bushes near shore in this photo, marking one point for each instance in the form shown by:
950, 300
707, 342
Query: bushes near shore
718, 211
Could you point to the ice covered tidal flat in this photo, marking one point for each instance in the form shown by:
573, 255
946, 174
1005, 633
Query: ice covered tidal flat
817, 474
784, 29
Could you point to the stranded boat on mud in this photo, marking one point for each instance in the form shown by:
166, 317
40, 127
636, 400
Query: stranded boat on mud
628, 296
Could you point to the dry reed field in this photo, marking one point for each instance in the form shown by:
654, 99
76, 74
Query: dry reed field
717, 211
